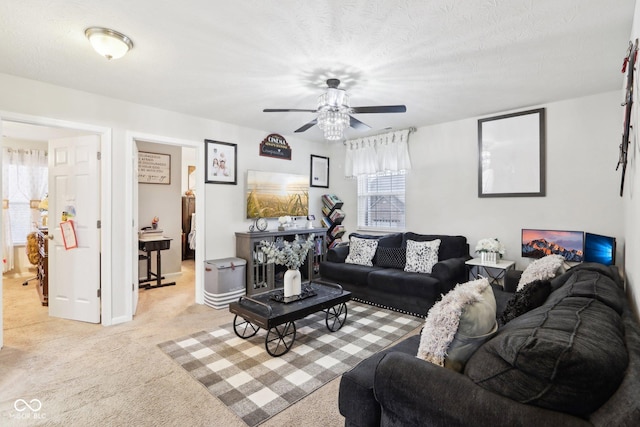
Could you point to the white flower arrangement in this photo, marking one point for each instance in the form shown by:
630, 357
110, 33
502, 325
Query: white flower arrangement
290, 254
284, 220
491, 244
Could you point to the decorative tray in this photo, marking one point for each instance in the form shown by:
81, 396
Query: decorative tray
278, 295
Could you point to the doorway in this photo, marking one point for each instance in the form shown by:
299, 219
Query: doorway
45, 128
132, 209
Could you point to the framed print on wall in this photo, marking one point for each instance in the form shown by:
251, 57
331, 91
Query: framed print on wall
221, 162
319, 171
511, 155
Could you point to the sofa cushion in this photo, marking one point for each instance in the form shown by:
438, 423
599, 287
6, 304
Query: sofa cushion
590, 283
361, 251
393, 240
393, 281
340, 272
541, 269
421, 256
390, 257
450, 246
567, 356
458, 324
533, 295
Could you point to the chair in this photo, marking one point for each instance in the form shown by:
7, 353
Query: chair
33, 253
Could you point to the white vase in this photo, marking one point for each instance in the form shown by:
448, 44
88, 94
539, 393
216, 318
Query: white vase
489, 257
292, 283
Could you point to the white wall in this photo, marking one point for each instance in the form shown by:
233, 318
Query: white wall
582, 185
225, 206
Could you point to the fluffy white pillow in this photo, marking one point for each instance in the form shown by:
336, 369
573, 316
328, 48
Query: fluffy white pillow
541, 269
361, 251
421, 256
458, 324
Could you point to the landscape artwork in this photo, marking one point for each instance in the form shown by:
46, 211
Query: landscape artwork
539, 243
274, 194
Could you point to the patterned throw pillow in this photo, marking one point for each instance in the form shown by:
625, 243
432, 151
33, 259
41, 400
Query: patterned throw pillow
421, 256
361, 251
458, 324
533, 295
390, 257
541, 269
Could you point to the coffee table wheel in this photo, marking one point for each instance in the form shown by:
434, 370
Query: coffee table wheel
243, 328
336, 316
280, 339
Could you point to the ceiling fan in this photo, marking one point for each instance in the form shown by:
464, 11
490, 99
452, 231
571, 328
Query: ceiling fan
335, 113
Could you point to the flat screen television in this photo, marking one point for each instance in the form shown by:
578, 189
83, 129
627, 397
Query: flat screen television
599, 248
540, 243
276, 194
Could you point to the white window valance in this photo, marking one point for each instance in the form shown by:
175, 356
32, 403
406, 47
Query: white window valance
387, 152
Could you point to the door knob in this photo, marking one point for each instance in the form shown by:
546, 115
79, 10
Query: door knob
50, 236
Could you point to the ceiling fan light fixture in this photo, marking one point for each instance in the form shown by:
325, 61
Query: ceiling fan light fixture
108, 43
333, 113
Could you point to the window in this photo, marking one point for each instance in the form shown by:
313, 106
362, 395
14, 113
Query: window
381, 202
24, 179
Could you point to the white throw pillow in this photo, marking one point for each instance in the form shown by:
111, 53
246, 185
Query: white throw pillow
545, 268
458, 324
361, 251
422, 256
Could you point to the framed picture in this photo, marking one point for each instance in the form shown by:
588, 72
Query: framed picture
221, 162
319, 171
511, 155
154, 168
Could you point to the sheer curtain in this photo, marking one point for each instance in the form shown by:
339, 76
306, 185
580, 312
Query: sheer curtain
24, 182
387, 152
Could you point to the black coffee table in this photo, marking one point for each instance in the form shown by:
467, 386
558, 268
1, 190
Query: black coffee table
268, 311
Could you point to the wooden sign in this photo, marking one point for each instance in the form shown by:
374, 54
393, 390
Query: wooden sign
275, 145
154, 168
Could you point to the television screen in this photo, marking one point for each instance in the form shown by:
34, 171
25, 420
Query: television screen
540, 243
275, 194
599, 248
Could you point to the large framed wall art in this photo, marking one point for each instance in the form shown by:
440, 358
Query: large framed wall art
511, 155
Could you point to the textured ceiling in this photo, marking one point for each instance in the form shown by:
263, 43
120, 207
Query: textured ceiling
227, 60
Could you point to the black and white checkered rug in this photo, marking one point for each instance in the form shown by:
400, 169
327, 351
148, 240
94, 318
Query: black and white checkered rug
256, 386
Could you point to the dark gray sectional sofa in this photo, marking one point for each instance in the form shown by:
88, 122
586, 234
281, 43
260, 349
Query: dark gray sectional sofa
573, 361
389, 287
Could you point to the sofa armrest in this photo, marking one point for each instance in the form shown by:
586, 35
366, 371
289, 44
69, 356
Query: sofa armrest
338, 254
414, 392
450, 272
511, 279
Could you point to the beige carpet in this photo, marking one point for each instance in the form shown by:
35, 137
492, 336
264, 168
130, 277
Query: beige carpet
90, 375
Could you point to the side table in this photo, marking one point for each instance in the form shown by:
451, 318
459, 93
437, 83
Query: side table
492, 271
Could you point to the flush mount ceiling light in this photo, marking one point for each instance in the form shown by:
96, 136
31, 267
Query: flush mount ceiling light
108, 43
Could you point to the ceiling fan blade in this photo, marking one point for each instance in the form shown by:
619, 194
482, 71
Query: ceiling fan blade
307, 126
380, 109
284, 110
357, 124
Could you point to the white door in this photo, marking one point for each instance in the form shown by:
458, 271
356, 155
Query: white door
135, 262
74, 187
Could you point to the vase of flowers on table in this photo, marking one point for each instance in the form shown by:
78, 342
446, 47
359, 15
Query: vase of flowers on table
490, 250
292, 255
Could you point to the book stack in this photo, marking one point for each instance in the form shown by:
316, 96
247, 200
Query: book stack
332, 218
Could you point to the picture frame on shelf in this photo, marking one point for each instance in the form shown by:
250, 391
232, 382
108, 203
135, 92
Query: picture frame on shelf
319, 176
221, 162
511, 155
